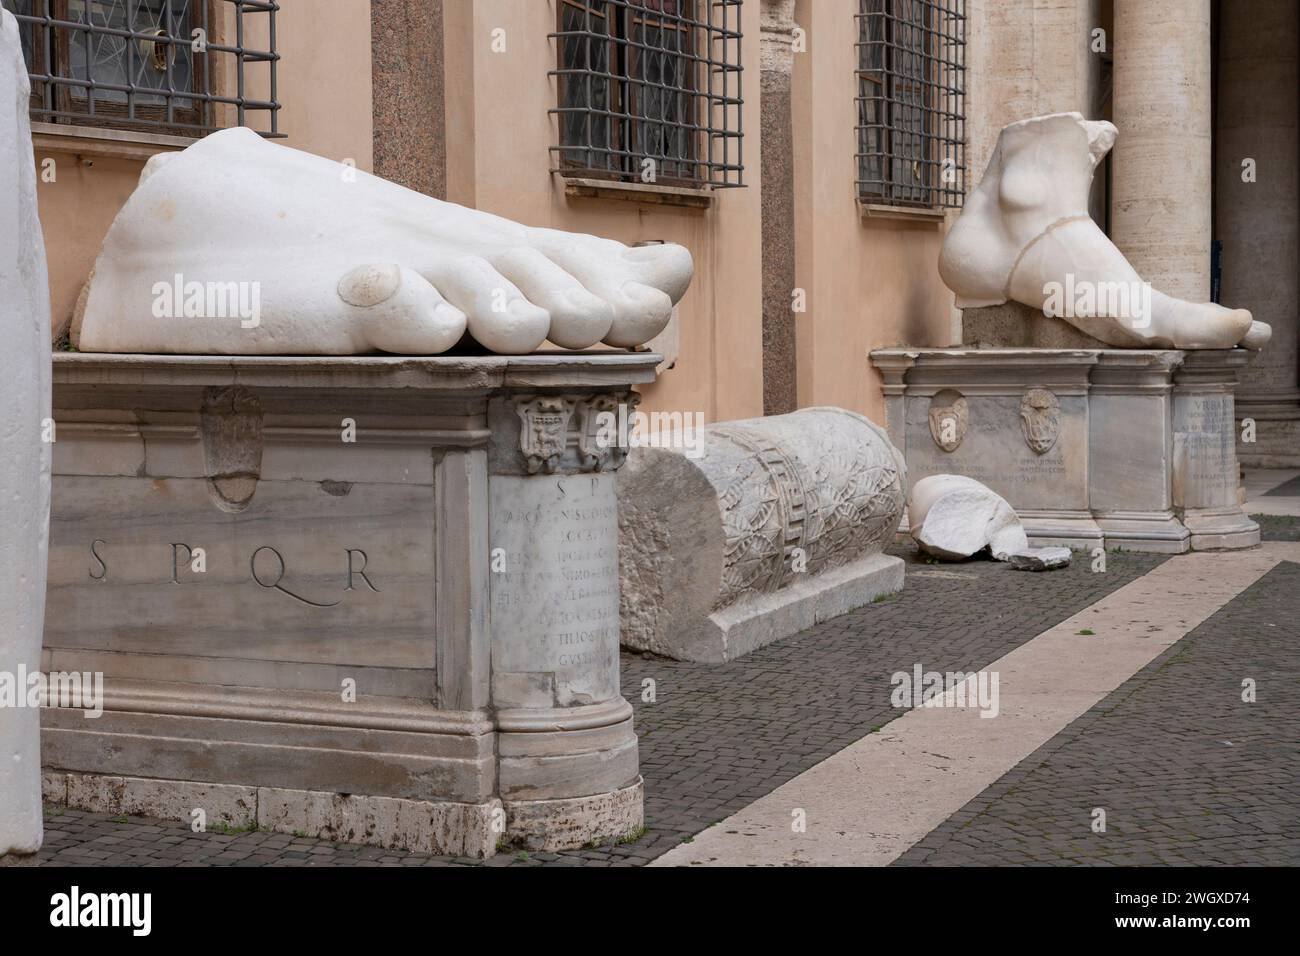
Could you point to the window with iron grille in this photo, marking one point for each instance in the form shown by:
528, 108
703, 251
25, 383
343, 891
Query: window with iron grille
649, 91
139, 64
911, 102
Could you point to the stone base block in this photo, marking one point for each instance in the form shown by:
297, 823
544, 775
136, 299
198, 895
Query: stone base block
456, 829
54, 788
1152, 533
231, 805
573, 822
1013, 325
747, 625
1227, 529
1077, 532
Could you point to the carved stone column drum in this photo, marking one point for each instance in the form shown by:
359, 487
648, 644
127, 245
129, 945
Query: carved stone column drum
750, 531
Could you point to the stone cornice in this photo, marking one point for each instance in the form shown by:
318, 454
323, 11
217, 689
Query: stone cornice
561, 370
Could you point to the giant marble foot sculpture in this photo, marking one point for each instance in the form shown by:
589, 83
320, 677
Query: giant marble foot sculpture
1026, 227
238, 246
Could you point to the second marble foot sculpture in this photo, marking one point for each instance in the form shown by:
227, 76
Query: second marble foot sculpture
238, 246
1026, 228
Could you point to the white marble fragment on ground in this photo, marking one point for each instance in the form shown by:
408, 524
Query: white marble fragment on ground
1039, 559
953, 517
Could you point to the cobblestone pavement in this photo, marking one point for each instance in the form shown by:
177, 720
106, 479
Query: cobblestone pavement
1186, 772
1278, 527
716, 737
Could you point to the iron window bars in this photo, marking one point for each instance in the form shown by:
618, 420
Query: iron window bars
649, 91
911, 102
136, 64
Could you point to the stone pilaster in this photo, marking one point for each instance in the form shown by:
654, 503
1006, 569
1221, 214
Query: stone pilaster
1259, 221
1026, 58
408, 81
777, 173
1161, 194
1205, 456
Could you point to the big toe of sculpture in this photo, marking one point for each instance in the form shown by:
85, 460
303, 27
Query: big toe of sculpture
1025, 235
239, 246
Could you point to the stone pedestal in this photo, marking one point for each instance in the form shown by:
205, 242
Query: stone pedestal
1125, 448
373, 599
1130, 445
1016, 325
959, 411
1205, 486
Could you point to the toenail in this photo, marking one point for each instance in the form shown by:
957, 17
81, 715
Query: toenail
367, 286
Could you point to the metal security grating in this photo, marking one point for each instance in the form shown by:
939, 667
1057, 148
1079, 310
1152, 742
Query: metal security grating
649, 91
141, 64
911, 102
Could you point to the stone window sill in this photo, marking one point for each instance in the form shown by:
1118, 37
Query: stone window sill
637, 192
98, 141
870, 210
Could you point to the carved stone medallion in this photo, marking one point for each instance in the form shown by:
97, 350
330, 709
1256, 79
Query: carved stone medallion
1040, 419
602, 423
949, 419
545, 432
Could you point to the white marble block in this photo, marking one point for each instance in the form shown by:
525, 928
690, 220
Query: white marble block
751, 531
25, 463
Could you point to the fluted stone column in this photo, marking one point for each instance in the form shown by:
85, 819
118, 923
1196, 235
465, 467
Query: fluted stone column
1259, 221
776, 159
1161, 194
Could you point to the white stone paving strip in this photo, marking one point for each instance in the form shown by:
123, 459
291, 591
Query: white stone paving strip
873, 800
1259, 482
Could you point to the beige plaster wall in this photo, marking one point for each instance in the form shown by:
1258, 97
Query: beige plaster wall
499, 133
324, 86
323, 77
870, 282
